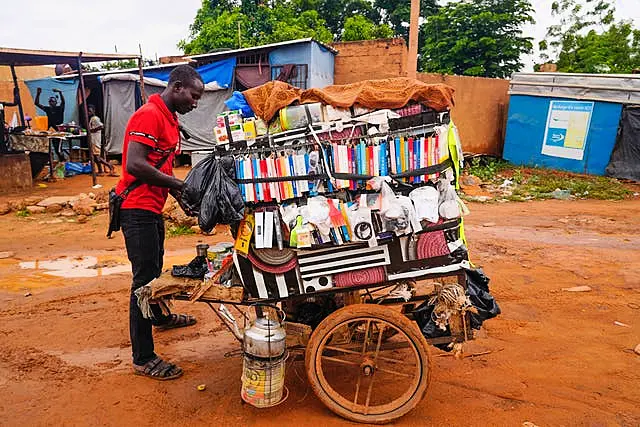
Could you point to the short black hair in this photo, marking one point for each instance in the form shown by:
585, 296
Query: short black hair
90, 106
186, 74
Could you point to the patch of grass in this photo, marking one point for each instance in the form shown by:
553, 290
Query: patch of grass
540, 183
179, 230
23, 213
487, 168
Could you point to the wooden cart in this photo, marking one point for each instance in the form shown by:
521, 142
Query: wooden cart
367, 361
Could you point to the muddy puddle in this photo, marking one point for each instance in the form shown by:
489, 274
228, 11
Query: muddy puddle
24, 275
75, 267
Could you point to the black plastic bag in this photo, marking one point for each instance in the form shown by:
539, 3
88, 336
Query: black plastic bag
428, 327
481, 299
222, 201
213, 196
198, 180
196, 269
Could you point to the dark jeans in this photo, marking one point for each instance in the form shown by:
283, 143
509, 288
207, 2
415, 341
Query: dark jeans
144, 237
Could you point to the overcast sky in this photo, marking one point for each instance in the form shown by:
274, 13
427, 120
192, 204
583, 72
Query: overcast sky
100, 26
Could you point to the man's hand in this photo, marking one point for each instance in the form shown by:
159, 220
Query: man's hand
189, 200
175, 193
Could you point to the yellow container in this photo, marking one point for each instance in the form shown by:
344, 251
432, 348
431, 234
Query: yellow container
40, 123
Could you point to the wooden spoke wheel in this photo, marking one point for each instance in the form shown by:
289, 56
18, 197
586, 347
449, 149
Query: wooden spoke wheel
368, 363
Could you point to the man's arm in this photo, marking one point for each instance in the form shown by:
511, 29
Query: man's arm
94, 129
40, 106
16, 99
138, 166
61, 98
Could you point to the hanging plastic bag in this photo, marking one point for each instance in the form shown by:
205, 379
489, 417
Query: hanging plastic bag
362, 226
198, 180
425, 200
397, 213
318, 215
222, 201
449, 202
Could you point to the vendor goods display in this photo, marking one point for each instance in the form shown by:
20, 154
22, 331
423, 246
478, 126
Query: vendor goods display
342, 202
346, 191
354, 194
231, 127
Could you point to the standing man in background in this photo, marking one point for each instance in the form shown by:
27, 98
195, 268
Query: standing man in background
150, 141
55, 116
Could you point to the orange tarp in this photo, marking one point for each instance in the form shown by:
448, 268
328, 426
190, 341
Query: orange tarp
267, 99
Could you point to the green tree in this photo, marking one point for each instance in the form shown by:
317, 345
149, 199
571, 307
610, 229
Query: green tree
216, 25
586, 39
397, 13
359, 27
335, 12
477, 38
219, 31
119, 65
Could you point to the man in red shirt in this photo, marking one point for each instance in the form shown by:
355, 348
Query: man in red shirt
150, 141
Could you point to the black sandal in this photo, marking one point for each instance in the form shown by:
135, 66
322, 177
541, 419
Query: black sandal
158, 369
177, 321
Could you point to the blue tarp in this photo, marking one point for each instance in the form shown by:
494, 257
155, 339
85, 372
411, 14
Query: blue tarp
238, 102
69, 88
76, 168
220, 72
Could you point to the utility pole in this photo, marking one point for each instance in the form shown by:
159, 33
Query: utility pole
412, 58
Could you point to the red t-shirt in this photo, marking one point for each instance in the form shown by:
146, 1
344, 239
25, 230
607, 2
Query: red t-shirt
153, 125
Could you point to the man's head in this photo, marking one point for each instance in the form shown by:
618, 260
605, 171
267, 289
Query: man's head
53, 101
91, 109
185, 88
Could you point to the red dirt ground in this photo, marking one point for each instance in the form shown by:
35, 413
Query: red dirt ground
557, 358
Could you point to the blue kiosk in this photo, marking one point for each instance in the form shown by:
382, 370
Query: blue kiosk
567, 121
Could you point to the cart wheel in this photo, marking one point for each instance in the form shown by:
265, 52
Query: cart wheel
363, 372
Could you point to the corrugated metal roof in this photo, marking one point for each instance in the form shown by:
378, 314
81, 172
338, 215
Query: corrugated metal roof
235, 52
124, 70
617, 88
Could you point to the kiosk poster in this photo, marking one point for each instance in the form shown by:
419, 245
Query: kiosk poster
567, 129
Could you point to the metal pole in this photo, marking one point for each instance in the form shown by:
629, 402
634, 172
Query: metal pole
84, 111
17, 91
412, 58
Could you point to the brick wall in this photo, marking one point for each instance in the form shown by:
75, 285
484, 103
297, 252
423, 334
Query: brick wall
481, 103
369, 59
480, 110
23, 73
